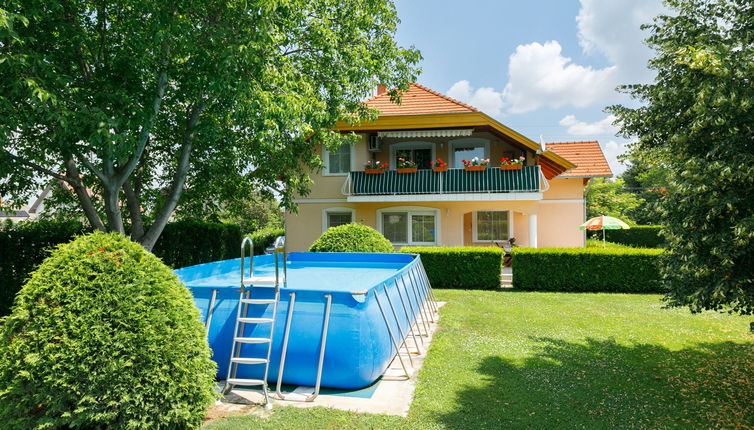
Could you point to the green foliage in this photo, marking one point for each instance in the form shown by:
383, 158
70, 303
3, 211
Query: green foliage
638, 236
251, 212
351, 238
610, 198
188, 242
461, 267
696, 117
141, 101
649, 181
22, 247
104, 335
264, 238
613, 270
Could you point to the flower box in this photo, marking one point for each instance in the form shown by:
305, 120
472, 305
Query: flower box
475, 168
511, 166
374, 171
406, 170
440, 169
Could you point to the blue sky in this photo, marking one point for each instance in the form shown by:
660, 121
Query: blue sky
541, 67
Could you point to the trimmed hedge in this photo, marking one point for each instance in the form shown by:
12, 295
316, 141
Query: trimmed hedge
24, 245
631, 270
264, 238
640, 236
189, 242
104, 335
461, 267
351, 238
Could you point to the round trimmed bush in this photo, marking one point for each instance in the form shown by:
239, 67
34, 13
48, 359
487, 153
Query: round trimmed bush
104, 335
351, 238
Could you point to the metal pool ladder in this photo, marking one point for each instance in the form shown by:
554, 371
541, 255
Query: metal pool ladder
243, 320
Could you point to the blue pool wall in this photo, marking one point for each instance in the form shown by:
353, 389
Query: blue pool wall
359, 348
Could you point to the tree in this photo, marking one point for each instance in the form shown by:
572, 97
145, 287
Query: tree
697, 118
649, 183
131, 102
252, 212
609, 198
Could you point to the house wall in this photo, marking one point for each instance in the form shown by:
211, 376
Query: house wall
558, 215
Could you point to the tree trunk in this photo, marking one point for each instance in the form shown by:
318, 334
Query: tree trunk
112, 210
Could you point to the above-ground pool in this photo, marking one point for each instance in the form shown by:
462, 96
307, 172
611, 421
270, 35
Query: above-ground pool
376, 298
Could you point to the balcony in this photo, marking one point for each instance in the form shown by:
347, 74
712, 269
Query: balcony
455, 184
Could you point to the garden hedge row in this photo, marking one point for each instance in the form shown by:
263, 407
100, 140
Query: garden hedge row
183, 243
587, 269
189, 242
264, 238
640, 236
23, 247
461, 267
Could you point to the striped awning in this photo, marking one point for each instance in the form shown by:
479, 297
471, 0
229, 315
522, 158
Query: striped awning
402, 134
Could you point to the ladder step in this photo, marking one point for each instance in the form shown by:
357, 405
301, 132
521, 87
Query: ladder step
252, 339
258, 301
239, 381
255, 320
261, 281
246, 360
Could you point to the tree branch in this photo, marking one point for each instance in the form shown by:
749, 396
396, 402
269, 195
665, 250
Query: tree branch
179, 179
162, 83
41, 169
86, 202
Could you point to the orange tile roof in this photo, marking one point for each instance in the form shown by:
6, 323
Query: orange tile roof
418, 100
587, 156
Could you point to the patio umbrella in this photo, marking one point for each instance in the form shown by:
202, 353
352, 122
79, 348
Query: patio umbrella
604, 223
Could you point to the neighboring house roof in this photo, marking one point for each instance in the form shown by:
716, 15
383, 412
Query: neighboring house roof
418, 100
587, 156
14, 214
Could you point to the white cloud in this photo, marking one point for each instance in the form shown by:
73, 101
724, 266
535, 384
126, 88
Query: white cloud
485, 99
540, 76
612, 150
581, 128
613, 28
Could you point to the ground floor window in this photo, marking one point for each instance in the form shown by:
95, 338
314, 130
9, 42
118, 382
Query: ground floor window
409, 227
491, 225
334, 217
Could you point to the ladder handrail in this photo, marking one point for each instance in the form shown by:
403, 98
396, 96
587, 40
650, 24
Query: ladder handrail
210, 310
322, 348
284, 348
243, 259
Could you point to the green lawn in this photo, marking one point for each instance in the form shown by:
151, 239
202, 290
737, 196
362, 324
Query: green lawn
555, 360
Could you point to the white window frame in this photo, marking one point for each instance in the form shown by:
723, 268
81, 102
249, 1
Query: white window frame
476, 142
475, 237
326, 160
413, 144
410, 211
326, 213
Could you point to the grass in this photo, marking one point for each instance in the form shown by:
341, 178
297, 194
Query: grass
557, 360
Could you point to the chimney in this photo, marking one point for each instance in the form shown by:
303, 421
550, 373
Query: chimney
381, 89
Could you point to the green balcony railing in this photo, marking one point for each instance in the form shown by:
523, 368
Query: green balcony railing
454, 181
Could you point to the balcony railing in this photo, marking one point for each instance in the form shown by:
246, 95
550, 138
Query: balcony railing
455, 181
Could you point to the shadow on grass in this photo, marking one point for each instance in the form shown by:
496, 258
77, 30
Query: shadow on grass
601, 384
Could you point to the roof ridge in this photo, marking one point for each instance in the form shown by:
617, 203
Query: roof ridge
429, 90
448, 98
572, 141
